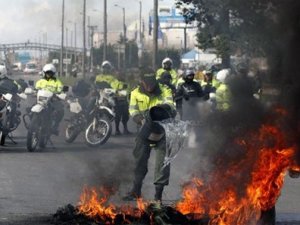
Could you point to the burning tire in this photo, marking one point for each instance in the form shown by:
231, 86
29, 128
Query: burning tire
33, 134
98, 132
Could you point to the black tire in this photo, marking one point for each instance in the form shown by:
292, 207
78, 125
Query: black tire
2, 138
43, 141
32, 140
71, 133
103, 127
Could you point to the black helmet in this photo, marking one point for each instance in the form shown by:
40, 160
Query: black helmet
242, 68
189, 74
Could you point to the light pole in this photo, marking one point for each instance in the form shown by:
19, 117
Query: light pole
92, 28
124, 37
140, 45
124, 23
155, 33
62, 39
105, 31
75, 34
84, 41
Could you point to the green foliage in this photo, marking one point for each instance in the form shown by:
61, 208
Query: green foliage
233, 25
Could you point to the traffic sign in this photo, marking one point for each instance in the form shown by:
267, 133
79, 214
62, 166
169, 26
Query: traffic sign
67, 61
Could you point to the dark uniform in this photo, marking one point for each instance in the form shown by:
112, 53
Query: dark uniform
143, 98
190, 91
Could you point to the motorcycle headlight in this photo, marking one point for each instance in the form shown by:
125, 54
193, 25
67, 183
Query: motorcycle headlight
42, 99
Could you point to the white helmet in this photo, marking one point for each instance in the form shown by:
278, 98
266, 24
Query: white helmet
222, 75
106, 63
49, 67
166, 60
3, 71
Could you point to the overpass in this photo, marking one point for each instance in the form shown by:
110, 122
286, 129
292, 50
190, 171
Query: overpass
37, 46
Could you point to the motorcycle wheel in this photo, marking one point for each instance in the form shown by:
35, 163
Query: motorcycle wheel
2, 138
71, 133
100, 134
33, 134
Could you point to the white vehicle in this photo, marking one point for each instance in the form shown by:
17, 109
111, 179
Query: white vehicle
31, 68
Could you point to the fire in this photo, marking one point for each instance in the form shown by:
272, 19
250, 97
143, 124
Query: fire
94, 204
236, 194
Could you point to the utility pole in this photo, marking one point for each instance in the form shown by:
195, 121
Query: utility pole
67, 65
155, 33
62, 39
92, 29
105, 31
140, 44
75, 52
84, 36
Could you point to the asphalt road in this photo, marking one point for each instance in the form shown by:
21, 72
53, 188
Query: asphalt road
36, 184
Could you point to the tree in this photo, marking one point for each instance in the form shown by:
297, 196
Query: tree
232, 25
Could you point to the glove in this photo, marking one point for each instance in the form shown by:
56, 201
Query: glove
170, 110
139, 119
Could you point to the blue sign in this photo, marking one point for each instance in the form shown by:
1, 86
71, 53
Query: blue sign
23, 57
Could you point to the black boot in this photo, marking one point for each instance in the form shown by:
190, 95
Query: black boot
126, 131
158, 192
134, 194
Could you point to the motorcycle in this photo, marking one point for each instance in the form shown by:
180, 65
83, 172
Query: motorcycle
36, 120
9, 114
97, 125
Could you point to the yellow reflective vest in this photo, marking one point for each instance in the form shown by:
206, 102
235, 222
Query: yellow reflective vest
110, 79
53, 85
173, 73
141, 101
223, 97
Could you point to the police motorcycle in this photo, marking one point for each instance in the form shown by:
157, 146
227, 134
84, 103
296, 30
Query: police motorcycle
39, 119
10, 114
97, 123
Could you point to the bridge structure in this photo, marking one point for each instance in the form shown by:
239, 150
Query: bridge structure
37, 46
9, 50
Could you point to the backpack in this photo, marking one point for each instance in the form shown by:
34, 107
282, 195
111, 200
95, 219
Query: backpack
81, 88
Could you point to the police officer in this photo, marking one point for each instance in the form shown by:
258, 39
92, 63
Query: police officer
189, 90
147, 95
121, 106
50, 83
167, 65
106, 79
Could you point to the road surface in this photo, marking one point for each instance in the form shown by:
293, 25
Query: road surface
36, 184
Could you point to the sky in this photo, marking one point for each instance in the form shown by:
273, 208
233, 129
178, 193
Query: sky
40, 20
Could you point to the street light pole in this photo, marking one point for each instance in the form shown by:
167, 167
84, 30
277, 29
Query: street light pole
105, 31
124, 37
92, 29
62, 39
84, 41
155, 33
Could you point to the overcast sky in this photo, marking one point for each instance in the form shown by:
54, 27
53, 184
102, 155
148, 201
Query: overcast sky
34, 20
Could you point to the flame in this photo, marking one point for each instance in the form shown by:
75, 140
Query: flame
94, 204
237, 194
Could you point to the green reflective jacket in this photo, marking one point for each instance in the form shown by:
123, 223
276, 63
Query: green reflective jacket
140, 101
53, 85
173, 73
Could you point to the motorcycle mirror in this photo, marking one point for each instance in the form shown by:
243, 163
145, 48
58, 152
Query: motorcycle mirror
65, 88
31, 82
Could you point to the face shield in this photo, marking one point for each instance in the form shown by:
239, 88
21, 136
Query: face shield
149, 84
167, 65
48, 75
